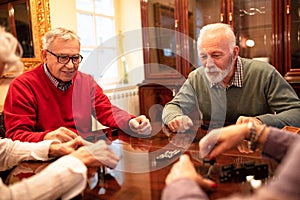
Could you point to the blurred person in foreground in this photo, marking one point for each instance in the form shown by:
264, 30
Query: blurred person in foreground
65, 177
56, 101
183, 182
229, 89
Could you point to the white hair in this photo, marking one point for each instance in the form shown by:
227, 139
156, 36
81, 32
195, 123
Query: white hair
61, 33
225, 29
10, 53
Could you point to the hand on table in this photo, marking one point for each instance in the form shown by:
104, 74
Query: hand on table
244, 119
244, 147
184, 168
59, 149
140, 125
180, 123
97, 154
221, 140
62, 134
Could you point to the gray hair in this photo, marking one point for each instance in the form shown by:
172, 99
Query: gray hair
218, 28
61, 33
10, 53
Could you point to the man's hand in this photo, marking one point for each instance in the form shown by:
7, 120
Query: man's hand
244, 119
140, 125
60, 149
244, 147
97, 154
184, 168
220, 140
62, 134
180, 123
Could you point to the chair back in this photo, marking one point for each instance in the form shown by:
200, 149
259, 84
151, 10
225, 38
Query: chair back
2, 127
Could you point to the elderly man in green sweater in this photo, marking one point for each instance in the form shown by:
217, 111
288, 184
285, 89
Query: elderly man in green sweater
229, 89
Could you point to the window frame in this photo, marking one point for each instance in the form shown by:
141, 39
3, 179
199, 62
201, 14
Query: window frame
105, 81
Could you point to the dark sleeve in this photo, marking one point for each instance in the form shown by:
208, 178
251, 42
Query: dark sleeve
277, 143
183, 189
287, 174
283, 101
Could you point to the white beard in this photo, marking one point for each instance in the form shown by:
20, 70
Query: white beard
221, 74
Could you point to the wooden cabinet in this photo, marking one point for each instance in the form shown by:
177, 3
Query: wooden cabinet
266, 29
164, 66
291, 47
273, 28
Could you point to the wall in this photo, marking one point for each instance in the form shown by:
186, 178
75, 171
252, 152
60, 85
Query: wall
63, 14
130, 24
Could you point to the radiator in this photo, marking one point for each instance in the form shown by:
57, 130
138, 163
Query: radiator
126, 99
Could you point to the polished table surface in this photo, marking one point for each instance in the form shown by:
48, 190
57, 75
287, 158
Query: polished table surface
145, 163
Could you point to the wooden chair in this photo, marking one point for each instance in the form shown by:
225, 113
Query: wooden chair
2, 127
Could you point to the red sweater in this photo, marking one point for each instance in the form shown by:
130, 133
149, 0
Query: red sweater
34, 106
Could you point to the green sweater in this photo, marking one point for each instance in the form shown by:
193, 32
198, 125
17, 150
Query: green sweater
265, 94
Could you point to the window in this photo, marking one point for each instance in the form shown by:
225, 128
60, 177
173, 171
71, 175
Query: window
99, 40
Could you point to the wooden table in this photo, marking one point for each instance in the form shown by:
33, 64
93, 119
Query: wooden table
145, 163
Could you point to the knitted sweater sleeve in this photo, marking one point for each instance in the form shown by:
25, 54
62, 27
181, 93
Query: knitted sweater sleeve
20, 113
283, 102
64, 178
13, 152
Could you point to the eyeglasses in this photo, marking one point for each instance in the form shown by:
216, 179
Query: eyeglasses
66, 59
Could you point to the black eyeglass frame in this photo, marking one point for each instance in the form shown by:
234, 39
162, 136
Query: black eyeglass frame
69, 57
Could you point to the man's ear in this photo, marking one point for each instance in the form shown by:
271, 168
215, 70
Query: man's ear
44, 54
236, 51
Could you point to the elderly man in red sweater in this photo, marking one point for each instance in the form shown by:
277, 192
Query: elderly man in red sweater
56, 101
76, 155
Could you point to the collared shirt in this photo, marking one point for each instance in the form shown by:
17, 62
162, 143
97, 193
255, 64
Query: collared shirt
58, 83
237, 79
